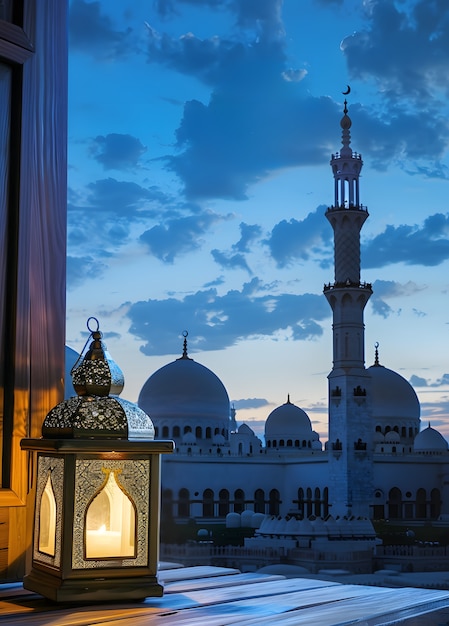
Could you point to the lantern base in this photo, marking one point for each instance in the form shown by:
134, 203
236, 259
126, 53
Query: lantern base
133, 588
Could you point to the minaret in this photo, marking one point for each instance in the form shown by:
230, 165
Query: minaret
350, 428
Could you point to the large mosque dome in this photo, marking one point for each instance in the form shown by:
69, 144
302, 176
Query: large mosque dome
392, 395
185, 396
395, 405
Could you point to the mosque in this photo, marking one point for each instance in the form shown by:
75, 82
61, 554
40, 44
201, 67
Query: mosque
378, 463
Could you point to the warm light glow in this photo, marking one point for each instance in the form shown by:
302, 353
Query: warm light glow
47, 520
110, 523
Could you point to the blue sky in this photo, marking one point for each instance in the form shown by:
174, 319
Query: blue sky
200, 133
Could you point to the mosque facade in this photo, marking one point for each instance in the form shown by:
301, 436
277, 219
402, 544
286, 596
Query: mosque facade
377, 464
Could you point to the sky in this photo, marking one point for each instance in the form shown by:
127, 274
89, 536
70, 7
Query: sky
200, 133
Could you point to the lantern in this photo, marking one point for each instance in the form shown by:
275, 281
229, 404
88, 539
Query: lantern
97, 507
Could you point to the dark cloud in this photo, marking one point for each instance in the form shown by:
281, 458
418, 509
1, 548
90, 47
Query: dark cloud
417, 381
427, 245
218, 321
92, 32
389, 289
100, 219
250, 403
178, 236
403, 48
300, 239
230, 261
80, 269
167, 8
116, 151
249, 232
123, 198
260, 118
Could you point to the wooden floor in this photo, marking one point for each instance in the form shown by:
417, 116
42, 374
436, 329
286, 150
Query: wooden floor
215, 596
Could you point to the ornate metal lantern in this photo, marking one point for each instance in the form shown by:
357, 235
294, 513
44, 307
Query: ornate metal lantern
97, 508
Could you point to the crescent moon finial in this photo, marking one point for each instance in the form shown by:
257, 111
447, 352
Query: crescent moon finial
348, 90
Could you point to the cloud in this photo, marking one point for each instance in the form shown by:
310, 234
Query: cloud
252, 122
178, 236
250, 403
388, 289
427, 245
417, 381
92, 32
80, 269
249, 232
230, 261
101, 215
218, 321
300, 239
403, 49
116, 151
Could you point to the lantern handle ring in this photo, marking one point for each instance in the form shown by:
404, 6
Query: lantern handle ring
92, 330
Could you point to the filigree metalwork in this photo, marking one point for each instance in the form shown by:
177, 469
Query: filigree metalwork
53, 467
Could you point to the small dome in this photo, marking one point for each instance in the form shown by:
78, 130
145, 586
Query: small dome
430, 440
288, 420
233, 520
393, 397
392, 437
189, 438
246, 518
244, 429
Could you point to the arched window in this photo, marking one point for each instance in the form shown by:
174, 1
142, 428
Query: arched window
259, 501
289, 443
176, 431
304, 443
198, 432
317, 502
325, 502
435, 503
183, 503
421, 505
156, 432
395, 503
223, 503
208, 432
165, 432
281, 443
187, 429
167, 504
296, 443
208, 503
239, 501
216, 431
309, 502
274, 502
301, 500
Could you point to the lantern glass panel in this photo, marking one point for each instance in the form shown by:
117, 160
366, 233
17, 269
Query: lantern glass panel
47, 520
111, 522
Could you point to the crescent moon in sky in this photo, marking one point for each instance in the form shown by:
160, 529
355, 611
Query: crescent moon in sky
348, 90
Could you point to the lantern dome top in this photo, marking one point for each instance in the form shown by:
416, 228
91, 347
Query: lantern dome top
97, 411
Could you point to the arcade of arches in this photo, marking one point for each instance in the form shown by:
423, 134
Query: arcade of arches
422, 504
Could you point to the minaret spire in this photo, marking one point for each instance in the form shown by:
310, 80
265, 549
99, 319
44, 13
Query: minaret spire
350, 428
